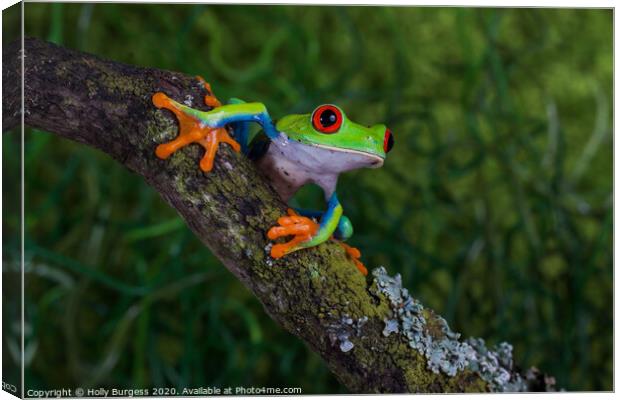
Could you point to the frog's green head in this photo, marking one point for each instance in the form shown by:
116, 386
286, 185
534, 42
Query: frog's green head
328, 127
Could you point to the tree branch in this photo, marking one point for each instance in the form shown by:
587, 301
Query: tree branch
371, 334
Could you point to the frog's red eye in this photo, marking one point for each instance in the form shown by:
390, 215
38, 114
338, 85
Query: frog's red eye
388, 141
327, 119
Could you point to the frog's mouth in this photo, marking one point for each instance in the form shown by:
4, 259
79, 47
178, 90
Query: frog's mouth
369, 160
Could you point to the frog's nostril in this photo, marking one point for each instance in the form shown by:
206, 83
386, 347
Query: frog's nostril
388, 141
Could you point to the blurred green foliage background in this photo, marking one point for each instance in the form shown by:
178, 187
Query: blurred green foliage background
495, 204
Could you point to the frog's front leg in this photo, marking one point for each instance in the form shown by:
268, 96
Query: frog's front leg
207, 128
306, 232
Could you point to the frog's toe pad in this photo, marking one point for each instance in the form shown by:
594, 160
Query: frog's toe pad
160, 100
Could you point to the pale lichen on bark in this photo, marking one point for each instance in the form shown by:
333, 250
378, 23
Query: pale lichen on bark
316, 294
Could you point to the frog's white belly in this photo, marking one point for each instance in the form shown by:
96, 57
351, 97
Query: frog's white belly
289, 165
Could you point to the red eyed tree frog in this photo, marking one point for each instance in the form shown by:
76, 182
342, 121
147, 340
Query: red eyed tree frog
298, 149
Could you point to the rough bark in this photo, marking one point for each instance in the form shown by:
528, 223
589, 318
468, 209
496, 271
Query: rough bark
314, 293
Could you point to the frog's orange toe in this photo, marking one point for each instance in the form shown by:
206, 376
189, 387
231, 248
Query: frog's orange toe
190, 133
361, 267
210, 98
276, 232
160, 100
212, 101
354, 254
206, 163
162, 151
280, 250
288, 228
211, 142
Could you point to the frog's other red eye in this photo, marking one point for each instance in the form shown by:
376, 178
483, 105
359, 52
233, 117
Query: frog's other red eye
327, 119
388, 141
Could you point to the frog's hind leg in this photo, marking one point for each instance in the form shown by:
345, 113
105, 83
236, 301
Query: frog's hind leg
343, 232
354, 254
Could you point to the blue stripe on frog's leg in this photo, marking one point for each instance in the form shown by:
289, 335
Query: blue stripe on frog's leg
236, 112
239, 112
343, 231
328, 222
241, 129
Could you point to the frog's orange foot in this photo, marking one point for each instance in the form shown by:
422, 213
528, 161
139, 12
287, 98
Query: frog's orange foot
192, 130
302, 228
354, 254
